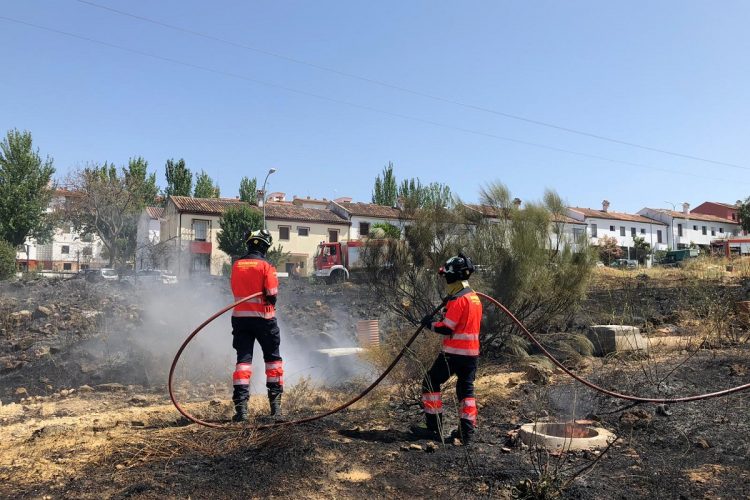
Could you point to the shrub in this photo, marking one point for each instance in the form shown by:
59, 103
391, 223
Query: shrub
7, 260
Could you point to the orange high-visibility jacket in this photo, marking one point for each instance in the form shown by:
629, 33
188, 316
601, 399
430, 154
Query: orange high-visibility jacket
251, 275
463, 317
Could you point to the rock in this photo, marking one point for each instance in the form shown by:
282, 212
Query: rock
19, 317
139, 400
112, 387
505, 449
85, 388
119, 466
64, 392
702, 443
42, 312
41, 351
21, 391
430, 447
663, 410
415, 446
616, 338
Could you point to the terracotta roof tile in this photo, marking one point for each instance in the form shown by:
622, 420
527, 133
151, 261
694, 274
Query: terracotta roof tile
155, 212
600, 214
289, 211
207, 206
694, 216
371, 210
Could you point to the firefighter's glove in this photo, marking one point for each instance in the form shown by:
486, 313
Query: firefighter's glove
427, 321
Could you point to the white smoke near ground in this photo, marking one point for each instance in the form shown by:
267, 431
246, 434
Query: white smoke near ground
170, 313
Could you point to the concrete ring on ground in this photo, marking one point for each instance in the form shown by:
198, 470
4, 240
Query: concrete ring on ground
565, 436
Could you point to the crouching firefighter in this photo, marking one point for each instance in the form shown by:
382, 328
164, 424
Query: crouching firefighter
460, 328
254, 320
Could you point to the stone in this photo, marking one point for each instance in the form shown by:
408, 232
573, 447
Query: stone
42, 312
636, 419
609, 339
702, 443
430, 447
112, 387
21, 391
415, 446
85, 388
64, 392
139, 400
20, 316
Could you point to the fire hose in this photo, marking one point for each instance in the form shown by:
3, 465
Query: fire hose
401, 354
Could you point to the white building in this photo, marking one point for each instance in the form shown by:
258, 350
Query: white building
688, 228
67, 250
621, 226
147, 239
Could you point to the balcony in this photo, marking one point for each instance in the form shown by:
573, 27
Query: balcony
200, 247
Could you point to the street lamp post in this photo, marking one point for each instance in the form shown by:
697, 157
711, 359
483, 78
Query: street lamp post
263, 189
671, 219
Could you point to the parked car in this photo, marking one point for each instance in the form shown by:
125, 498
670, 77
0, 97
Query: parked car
151, 276
103, 274
624, 263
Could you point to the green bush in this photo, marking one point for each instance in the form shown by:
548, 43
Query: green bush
7, 260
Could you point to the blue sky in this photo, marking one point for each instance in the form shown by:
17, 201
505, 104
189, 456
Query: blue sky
671, 75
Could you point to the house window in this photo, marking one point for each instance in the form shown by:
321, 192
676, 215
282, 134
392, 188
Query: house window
622, 230
703, 230
632, 232
612, 228
679, 229
721, 230
65, 249
577, 232
695, 228
333, 235
364, 228
658, 236
201, 263
643, 231
303, 231
734, 216
593, 231
284, 233
713, 231
200, 229
67, 266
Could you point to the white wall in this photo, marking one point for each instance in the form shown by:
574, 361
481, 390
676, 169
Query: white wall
692, 230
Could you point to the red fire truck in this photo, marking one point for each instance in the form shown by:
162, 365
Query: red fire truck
341, 261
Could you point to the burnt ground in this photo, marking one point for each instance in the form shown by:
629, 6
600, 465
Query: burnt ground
93, 419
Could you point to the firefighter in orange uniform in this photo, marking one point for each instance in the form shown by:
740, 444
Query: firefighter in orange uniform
254, 320
460, 327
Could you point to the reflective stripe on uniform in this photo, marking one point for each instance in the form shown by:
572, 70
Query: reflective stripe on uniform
460, 351
253, 314
254, 300
242, 374
450, 324
272, 291
469, 409
275, 372
432, 402
465, 336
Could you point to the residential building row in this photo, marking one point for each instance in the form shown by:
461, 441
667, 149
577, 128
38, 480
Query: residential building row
183, 235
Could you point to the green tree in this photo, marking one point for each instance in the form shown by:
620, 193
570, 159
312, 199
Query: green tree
179, 178
414, 195
743, 214
140, 182
205, 187
235, 223
249, 190
24, 189
642, 248
389, 230
7, 260
386, 190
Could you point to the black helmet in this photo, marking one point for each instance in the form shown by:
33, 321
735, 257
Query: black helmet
259, 240
457, 268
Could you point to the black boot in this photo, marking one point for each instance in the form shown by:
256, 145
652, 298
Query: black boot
430, 429
240, 411
275, 402
464, 433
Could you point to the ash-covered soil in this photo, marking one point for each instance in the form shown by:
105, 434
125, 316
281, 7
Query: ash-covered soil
93, 419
